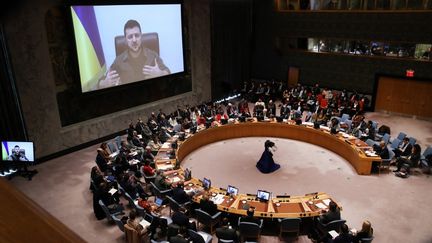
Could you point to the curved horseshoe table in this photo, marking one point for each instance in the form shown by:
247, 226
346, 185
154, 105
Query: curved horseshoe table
309, 205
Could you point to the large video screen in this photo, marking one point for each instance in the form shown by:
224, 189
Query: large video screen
122, 44
17, 151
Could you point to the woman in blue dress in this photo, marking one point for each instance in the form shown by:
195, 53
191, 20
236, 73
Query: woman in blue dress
266, 163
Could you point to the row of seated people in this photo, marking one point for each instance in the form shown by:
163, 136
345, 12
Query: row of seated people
314, 98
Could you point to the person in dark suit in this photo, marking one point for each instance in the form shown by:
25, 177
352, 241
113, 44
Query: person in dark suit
179, 194
180, 218
207, 205
250, 217
344, 236
226, 232
404, 148
411, 161
331, 215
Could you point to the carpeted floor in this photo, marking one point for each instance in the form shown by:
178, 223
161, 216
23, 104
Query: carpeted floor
398, 208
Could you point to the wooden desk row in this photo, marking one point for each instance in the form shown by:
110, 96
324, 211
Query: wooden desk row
309, 205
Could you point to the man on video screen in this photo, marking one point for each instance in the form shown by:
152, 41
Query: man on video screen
17, 154
136, 63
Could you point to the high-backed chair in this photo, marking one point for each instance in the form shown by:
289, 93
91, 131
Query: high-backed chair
174, 205
400, 136
395, 143
206, 219
423, 160
412, 141
110, 216
158, 192
366, 240
332, 225
148, 40
289, 225
119, 223
249, 230
385, 163
199, 236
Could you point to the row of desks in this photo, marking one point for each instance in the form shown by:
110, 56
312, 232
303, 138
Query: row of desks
356, 151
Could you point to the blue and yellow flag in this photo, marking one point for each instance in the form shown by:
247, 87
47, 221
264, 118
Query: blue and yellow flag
5, 150
91, 58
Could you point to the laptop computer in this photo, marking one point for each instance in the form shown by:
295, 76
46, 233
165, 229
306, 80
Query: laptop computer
158, 201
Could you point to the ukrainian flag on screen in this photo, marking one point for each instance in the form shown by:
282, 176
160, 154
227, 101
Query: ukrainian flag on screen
91, 58
5, 150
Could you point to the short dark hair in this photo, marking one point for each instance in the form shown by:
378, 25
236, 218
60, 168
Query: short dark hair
332, 206
131, 24
132, 214
250, 212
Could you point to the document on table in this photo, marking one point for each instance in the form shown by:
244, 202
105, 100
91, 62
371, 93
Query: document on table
218, 199
165, 166
144, 223
112, 191
326, 201
333, 234
321, 205
166, 145
175, 179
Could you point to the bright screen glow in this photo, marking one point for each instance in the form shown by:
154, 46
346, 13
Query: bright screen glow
101, 36
206, 183
17, 151
263, 195
232, 190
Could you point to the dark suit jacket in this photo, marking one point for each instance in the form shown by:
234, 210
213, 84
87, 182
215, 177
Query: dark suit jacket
226, 233
343, 238
180, 219
208, 206
180, 195
330, 216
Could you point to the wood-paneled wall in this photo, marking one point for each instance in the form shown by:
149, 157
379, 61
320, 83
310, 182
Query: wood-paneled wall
405, 96
22, 220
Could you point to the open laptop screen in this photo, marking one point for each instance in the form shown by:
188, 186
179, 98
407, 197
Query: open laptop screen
263, 195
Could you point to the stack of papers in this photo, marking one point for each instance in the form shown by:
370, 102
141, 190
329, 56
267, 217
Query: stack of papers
370, 153
112, 191
165, 166
321, 205
144, 223
133, 162
218, 199
326, 201
175, 179
166, 145
333, 234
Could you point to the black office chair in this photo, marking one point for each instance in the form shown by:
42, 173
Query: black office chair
366, 240
207, 219
249, 230
174, 205
289, 225
332, 225
149, 40
200, 236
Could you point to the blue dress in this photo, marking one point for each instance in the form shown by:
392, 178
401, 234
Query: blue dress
266, 164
